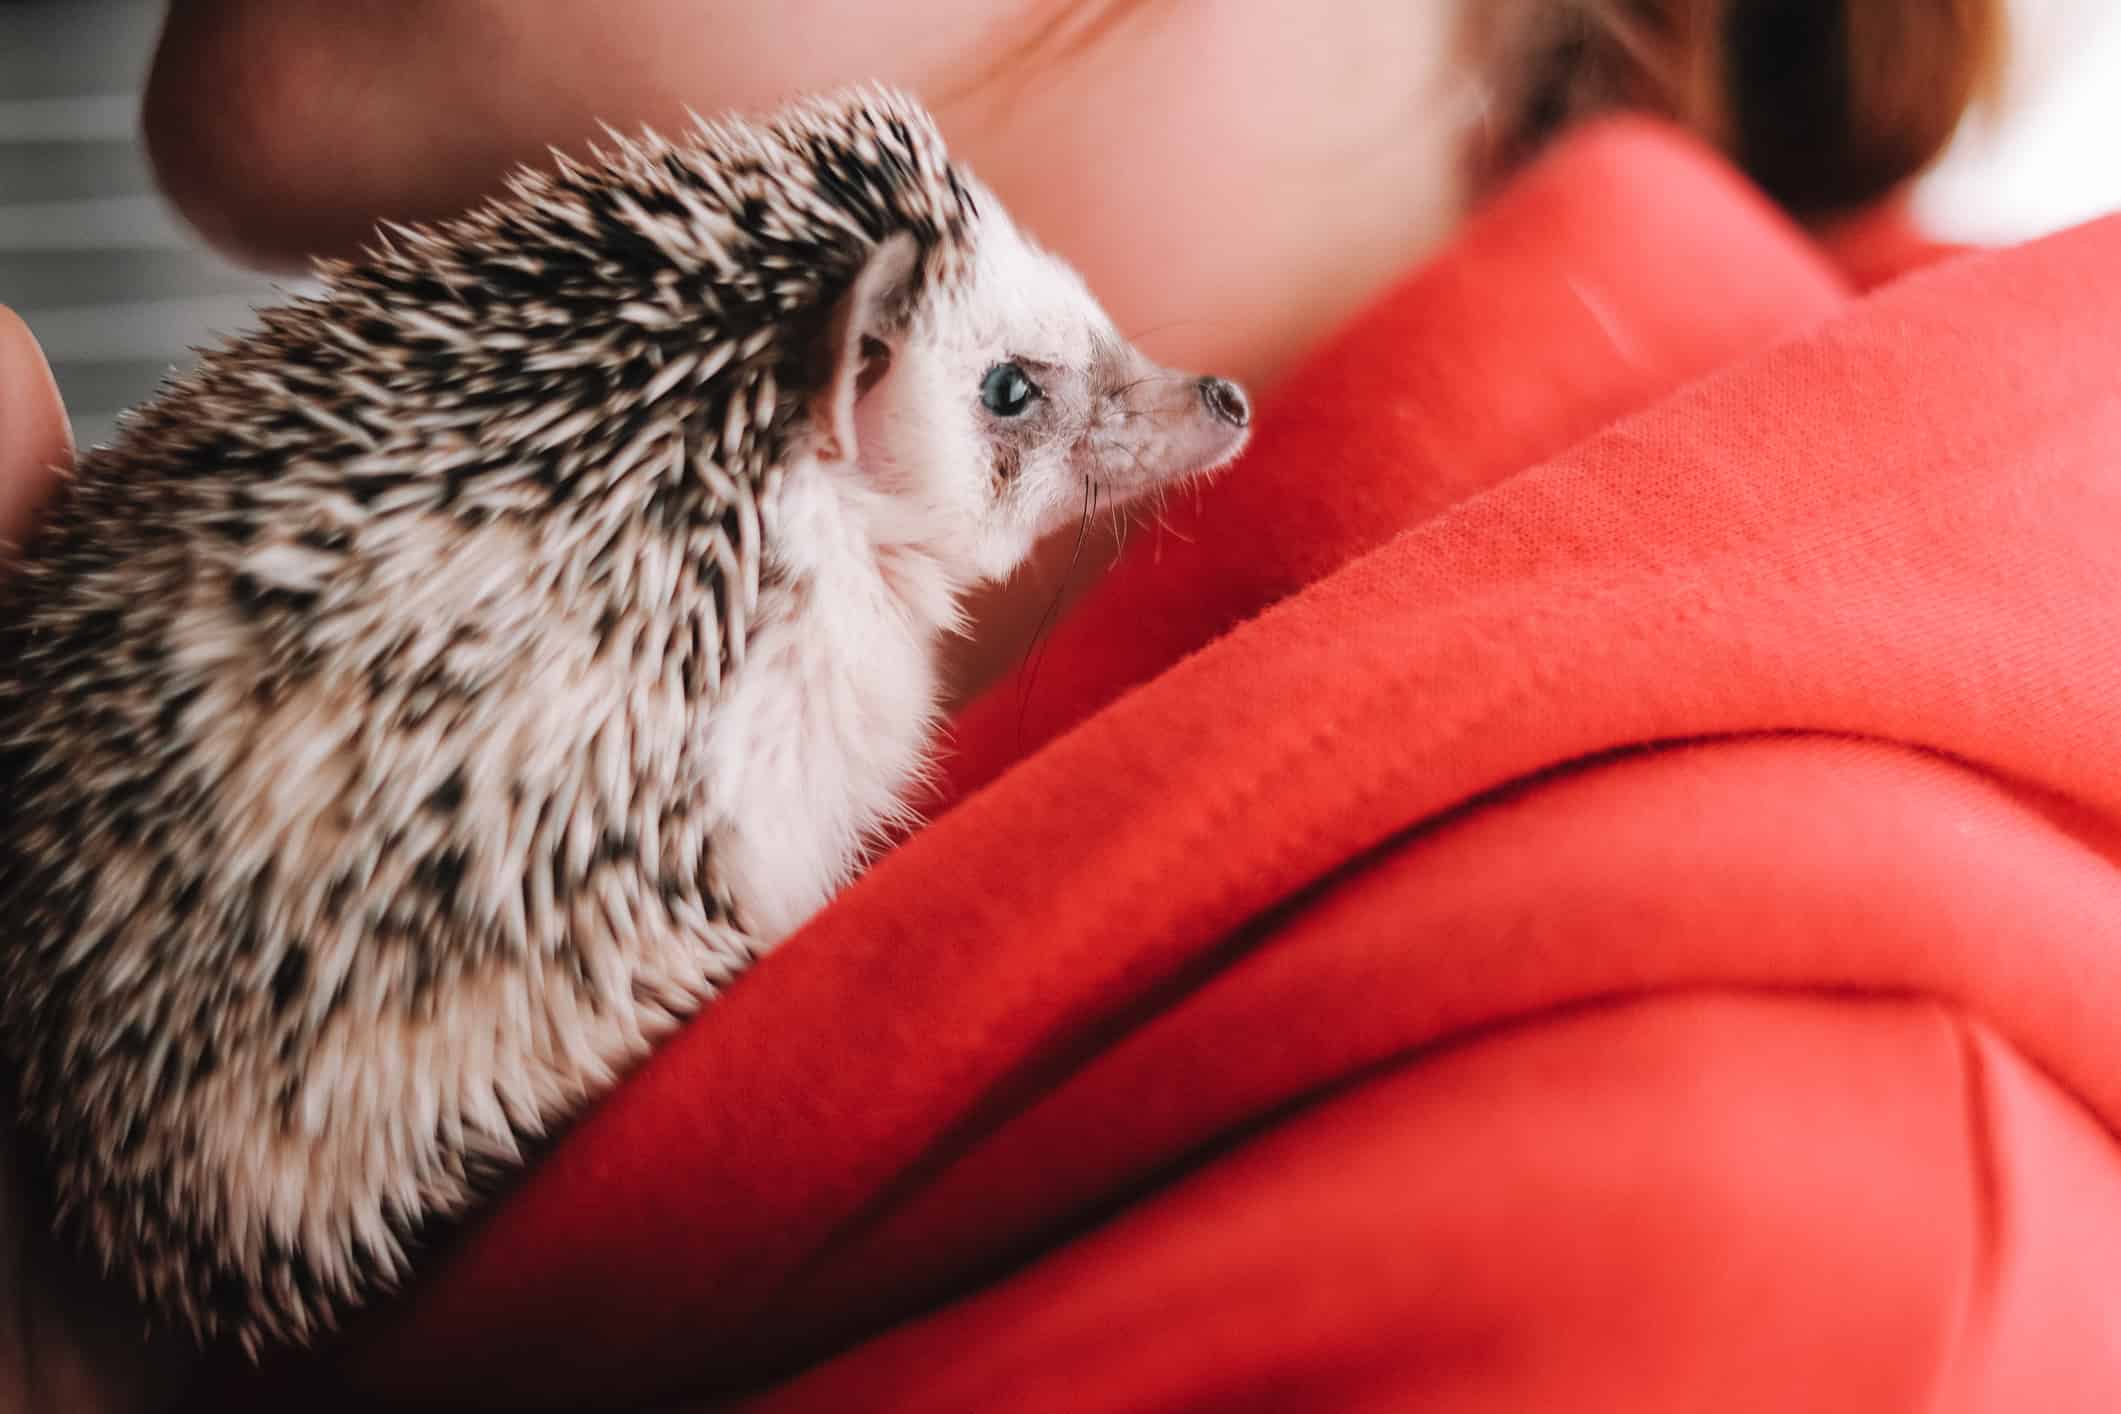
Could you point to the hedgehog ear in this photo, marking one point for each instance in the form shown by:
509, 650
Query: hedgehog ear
857, 350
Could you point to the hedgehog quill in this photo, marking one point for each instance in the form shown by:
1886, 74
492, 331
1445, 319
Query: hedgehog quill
437, 694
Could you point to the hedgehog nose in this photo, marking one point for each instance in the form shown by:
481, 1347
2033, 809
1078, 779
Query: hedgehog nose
1226, 401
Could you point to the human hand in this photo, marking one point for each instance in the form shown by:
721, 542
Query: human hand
69, 1342
34, 439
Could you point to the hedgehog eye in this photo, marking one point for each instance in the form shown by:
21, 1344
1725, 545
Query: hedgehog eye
1006, 391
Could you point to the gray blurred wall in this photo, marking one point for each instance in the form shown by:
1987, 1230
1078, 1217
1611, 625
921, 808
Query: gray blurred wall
115, 288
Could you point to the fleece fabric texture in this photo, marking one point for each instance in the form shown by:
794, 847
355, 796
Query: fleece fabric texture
1581, 875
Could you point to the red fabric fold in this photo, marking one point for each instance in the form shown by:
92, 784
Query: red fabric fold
1352, 986
1591, 1141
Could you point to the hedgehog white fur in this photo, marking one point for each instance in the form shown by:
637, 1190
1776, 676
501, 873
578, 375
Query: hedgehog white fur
438, 693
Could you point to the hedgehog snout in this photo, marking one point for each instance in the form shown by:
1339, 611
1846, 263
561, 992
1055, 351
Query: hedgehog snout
1200, 423
1226, 401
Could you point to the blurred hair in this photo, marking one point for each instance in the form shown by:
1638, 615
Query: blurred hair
1827, 104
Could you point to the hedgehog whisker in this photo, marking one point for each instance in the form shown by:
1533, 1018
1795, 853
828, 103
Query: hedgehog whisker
1144, 381
1163, 523
1137, 335
1120, 526
1035, 654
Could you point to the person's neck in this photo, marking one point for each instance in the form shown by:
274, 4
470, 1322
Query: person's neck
1347, 129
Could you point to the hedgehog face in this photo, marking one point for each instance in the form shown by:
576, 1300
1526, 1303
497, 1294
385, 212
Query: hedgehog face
1009, 406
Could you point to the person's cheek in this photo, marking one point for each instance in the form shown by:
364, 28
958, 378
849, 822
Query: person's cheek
35, 441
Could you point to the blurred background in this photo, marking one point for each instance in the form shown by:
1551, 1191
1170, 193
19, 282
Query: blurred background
118, 291
116, 288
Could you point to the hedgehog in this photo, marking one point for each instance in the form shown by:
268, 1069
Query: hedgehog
439, 692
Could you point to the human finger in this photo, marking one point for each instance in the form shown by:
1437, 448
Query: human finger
35, 442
